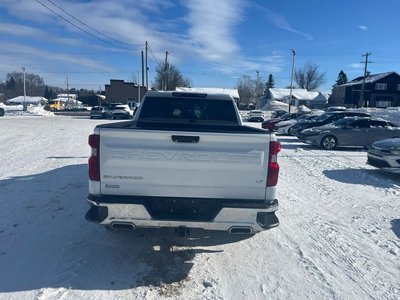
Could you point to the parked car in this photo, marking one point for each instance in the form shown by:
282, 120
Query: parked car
353, 132
336, 108
385, 154
325, 118
2, 112
270, 123
102, 112
256, 116
278, 113
122, 111
284, 127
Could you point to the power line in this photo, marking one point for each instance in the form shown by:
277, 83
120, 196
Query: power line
158, 62
83, 23
80, 28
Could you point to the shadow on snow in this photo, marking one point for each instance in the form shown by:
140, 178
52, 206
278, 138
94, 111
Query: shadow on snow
396, 227
363, 177
45, 241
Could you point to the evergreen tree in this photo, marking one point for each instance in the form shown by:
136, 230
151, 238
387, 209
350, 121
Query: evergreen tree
342, 78
269, 84
46, 92
52, 94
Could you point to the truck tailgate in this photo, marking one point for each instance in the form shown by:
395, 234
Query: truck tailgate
183, 164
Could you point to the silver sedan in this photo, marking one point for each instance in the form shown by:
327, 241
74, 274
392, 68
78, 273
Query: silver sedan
385, 154
353, 132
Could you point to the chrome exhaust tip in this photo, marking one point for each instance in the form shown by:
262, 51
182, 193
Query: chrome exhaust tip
123, 225
241, 230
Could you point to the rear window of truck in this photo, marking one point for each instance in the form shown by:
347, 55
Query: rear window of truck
188, 110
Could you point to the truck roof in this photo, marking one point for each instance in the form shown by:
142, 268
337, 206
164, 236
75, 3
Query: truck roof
176, 94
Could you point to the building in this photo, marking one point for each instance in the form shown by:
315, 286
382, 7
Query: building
380, 90
123, 92
299, 97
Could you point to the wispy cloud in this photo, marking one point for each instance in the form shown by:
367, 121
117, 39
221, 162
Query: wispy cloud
34, 33
204, 32
212, 31
362, 27
280, 21
212, 25
43, 57
356, 66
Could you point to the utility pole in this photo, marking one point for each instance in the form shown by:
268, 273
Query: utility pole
147, 67
24, 108
291, 80
67, 93
99, 98
361, 102
138, 85
166, 70
257, 84
142, 70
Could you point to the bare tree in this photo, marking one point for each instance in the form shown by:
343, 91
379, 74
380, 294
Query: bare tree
168, 77
309, 77
15, 84
247, 88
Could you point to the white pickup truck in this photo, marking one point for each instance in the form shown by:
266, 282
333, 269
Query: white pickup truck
184, 161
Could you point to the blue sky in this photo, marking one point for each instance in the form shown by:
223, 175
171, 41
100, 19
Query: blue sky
213, 42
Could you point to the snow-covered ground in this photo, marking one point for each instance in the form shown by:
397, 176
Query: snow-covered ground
339, 236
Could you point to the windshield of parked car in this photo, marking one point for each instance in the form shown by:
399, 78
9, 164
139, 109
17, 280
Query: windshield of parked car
344, 122
323, 117
302, 118
120, 107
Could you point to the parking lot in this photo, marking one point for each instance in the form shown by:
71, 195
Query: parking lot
339, 233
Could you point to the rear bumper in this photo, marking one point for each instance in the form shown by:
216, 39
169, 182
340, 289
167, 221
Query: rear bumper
121, 115
256, 119
208, 214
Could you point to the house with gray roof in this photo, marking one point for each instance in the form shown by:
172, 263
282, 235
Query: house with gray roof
380, 90
311, 99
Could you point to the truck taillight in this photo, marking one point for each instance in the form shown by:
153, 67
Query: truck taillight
94, 160
273, 167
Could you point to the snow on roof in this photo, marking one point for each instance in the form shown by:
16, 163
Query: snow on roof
233, 92
275, 105
71, 96
300, 94
28, 99
368, 79
67, 100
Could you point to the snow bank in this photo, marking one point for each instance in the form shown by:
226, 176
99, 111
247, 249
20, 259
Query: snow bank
17, 111
390, 113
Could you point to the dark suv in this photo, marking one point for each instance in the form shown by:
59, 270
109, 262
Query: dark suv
102, 112
324, 119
